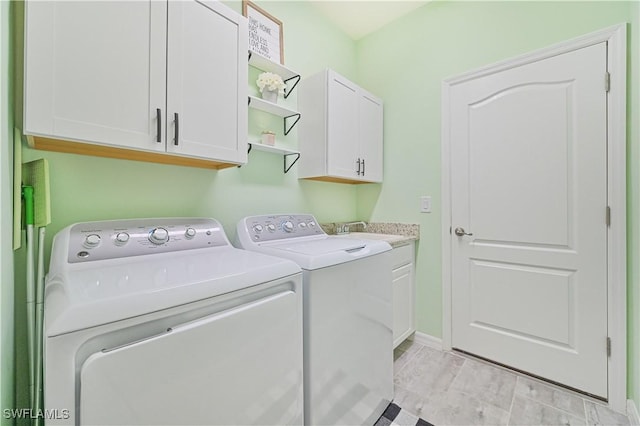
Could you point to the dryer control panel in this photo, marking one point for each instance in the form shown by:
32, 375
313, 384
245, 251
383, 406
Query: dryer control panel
135, 237
278, 227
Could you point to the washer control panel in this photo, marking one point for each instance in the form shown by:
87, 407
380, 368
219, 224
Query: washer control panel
135, 237
278, 227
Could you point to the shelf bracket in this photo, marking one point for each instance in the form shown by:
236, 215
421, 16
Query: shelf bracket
297, 116
286, 169
288, 91
248, 151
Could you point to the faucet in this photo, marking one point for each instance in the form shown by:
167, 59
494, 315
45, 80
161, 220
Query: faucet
344, 228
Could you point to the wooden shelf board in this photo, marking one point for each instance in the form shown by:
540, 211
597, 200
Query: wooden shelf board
270, 107
265, 64
48, 144
336, 180
273, 149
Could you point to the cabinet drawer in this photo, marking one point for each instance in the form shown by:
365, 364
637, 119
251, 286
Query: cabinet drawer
402, 255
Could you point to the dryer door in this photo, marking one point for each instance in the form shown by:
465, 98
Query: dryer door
239, 366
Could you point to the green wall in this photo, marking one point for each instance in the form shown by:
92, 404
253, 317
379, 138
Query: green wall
405, 63
6, 251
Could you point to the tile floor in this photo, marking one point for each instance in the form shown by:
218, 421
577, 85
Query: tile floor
447, 388
395, 416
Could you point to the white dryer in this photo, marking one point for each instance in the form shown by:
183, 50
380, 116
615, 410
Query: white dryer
348, 347
162, 321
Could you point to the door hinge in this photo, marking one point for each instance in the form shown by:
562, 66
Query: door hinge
608, 216
608, 346
607, 81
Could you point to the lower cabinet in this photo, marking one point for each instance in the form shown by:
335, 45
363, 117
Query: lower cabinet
403, 292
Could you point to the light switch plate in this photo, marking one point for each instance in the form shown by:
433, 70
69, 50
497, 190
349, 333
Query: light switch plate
425, 204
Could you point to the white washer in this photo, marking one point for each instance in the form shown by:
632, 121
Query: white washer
348, 348
162, 321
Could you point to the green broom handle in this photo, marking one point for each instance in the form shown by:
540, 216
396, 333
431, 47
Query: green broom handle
27, 192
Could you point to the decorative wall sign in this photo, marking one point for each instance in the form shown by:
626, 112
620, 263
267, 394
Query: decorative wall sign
265, 32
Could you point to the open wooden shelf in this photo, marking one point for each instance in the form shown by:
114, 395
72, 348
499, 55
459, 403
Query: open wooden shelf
285, 152
290, 77
275, 109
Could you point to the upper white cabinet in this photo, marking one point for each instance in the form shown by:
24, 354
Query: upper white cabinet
142, 76
341, 134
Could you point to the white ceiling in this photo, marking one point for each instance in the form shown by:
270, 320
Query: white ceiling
358, 18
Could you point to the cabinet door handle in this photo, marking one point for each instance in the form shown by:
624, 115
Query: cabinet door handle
358, 171
176, 128
363, 167
158, 125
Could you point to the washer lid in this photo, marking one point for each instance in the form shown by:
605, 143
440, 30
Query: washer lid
314, 253
319, 247
80, 296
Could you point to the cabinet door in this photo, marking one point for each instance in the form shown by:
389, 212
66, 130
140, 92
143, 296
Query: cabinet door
96, 71
342, 125
207, 81
370, 136
402, 303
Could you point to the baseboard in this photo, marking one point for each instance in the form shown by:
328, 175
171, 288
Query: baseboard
427, 340
632, 412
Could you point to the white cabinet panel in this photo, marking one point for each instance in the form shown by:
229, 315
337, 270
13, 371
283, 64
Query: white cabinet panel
403, 259
204, 76
370, 136
342, 128
402, 302
341, 133
95, 71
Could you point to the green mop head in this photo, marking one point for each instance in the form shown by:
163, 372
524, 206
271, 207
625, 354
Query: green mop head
36, 174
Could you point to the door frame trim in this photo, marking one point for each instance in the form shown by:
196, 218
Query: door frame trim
616, 37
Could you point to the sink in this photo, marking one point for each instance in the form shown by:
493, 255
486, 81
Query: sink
372, 236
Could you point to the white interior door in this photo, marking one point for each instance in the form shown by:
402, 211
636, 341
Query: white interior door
529, 182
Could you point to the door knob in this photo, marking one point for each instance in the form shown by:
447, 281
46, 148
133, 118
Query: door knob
460, 232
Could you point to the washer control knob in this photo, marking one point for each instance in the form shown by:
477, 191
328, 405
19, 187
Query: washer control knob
258, 228
159, 236
287, 226
190, 233
92, 240
312, 224
271, 227
302, 225
122, 238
